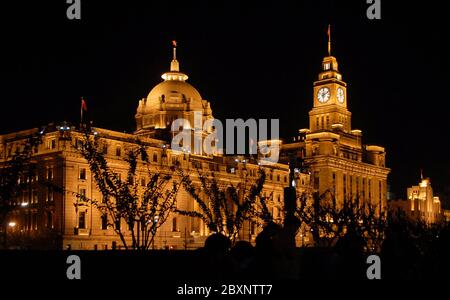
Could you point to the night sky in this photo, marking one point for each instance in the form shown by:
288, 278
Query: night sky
250, 60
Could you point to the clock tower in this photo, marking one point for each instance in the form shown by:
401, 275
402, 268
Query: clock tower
330, 98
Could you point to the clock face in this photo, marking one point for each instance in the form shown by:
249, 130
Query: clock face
340, 95
323, 95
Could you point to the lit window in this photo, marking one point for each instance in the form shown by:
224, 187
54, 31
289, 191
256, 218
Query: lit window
49, 194
50, 173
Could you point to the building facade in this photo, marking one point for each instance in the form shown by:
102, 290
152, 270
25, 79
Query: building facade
420, 205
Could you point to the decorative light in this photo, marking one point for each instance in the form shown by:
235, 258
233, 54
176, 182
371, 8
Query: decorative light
23, 204
12, 224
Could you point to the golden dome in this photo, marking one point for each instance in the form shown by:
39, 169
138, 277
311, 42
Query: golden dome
169, 100
173, 91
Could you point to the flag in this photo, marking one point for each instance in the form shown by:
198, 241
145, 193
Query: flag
83, 108
83, 104
174, 43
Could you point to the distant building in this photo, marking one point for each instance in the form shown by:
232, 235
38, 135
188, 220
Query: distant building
446, 213
420, 203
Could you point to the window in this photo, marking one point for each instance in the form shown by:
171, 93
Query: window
49, 223
364, 188
379, 191
49, 194
82, 194
316, 180
357, 186
155, 157
334, 182
278, 178
82, 220
83, 173
174, 225
117, 224
50, 173
345, 187
105, 149
143, 182
351, 185
34, 221
118, 151
104, 219
34, 198
51, 144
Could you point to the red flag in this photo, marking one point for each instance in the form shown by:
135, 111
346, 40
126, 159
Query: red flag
174, 43
83, 108
83, 105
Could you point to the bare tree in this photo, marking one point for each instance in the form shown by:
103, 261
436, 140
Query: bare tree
329, 221
143, 210
224, 206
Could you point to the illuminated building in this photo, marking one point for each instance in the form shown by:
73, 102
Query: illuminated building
334, 159
332, 151
420, 204
52, 219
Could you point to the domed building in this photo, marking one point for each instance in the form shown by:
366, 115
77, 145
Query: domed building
55, 220
172, 99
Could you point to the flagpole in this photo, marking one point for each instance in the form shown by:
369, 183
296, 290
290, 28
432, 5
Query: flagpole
329, 40
81, 112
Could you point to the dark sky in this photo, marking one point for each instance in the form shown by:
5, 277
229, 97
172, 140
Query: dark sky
254, 59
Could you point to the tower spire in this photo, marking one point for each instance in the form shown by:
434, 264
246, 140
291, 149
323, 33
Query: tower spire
174, 66
329, 39
174, 44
